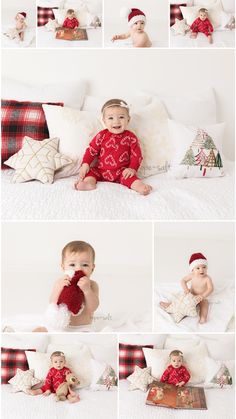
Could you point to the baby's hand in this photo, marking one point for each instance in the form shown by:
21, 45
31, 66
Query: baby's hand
199, 298
114, 38
128, 173
63, 282
84, 284
83, 171
180, 384
187, 291
47, 393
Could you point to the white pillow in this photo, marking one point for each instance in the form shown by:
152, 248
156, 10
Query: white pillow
220, 347
101, 372
75, 130
181, 343
51, 25
194, 360
81, 15
226, 18
66, 348
18, 341
191, 13
228, 5
71, 93
188, 2
95, 103
49, 3
196, 151
141, 339
79, 363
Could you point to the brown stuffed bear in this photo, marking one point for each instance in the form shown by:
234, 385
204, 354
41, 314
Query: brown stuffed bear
64, 391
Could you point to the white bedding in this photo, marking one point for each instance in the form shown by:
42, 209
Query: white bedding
220, 405
46, 39
185, 199
221, 39
221, 311
99, 404
29, 39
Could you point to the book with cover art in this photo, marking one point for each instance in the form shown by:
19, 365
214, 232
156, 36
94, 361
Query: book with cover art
167, 395
69, 34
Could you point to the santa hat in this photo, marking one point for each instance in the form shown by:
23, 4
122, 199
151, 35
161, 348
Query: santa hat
133, 15
197, 259
23, 14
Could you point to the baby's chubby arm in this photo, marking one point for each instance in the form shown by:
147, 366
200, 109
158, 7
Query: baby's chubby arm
58, 287
121, 36
91, 293
184, 282
84, 168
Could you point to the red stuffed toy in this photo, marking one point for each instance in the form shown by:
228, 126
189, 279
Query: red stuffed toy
70, 302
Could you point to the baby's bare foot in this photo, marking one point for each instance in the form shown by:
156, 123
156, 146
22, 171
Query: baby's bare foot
193, 35
141, 187
81, 185
210, 40
202, 320
40, 329
163, 304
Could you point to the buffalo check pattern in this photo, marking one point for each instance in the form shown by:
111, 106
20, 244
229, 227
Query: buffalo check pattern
129, 357
175, 12
11, 359
44, 14
20, 119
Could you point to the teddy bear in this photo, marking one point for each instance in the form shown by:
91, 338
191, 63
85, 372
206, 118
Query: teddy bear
64, 390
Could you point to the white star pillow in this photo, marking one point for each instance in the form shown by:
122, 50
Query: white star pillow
182, 306
23, 380
180, 27
140, 379
37, 160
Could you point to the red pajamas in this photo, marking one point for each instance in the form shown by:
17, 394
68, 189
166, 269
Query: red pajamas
54, 379
203, 26
71, 23
175, 375
114, 152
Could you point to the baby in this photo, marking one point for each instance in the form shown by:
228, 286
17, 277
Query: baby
201, 284
71, 21
77, 255
202, 24
175, 373
136, 23
56, 376
117, 150
18, 31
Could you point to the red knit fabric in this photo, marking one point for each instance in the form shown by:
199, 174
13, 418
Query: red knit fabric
203, 26
71, 23
54, 379
175, 375
115, 152
72, 295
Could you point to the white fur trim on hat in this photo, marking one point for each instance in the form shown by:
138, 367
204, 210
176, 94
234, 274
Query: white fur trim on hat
197, 262
136, 18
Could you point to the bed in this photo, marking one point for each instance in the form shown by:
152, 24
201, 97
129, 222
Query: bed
221, 39
46, 39
196, 199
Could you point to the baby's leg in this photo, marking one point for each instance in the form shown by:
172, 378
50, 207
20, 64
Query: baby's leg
34, 392
40, 329
136, 184
164, 304
193, 34
87, 184
203, 306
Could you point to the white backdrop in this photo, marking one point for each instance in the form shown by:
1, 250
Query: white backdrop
124, 72
175, 242
31, 259
10, 8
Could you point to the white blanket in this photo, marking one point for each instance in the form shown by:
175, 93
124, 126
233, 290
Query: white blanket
184, 199
221, 311
93, 404
46, 39
29, 39
220, 405
221, 39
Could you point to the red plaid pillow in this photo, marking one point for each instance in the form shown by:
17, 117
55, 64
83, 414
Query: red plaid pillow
175, 12
129, 356
20, 119
11, 359
44, 14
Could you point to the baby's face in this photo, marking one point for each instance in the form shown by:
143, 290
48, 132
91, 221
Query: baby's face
203, 15
19, 18
116, 119
176, 361
58, 362
71, 16
200, 270
138, 27
81, 261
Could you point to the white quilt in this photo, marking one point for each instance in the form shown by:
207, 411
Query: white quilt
185, 199
220, 405
46, 39
221, 39
29, 39
221, 311
93, 404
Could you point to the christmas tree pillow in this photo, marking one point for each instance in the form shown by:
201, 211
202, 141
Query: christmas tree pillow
196, 151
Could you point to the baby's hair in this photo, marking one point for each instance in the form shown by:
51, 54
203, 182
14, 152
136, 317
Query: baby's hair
202, 10
70, 11
115, 102
176, 352
57, 353
78, 247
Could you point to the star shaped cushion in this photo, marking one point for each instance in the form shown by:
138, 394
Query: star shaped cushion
23, 380
140, 379
182, 306
180, 27
37, 160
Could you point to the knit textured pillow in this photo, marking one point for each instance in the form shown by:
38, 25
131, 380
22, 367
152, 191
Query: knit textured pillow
20, 119
11, 359
44, 14
23, 380
140, 379
175, 12
182, 306
129, 357
72, 296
